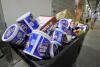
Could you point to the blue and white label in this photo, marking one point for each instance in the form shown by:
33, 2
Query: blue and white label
24, 26
57, 36
14, 35
9, 32
42, 48
31, 42
37, 46
27, 23
19, 38
33, 23
63, 24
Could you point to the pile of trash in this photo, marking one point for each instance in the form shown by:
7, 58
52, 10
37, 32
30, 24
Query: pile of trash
45, 35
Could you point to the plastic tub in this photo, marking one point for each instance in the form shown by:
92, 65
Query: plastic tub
27, 23
14, 35
64, 24
57, 36
38, 44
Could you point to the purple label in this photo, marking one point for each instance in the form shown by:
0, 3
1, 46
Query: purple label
31, 42
37, 49
29, 18
57, 36
42, 48
63, 24
24, 26
9, 32
19, 38
33, 23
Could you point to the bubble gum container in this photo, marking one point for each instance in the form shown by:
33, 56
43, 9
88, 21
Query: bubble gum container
14, 35
64, 24
57, 36
38, 45
27, 23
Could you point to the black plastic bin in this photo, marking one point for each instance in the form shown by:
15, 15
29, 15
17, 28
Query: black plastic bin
66, 58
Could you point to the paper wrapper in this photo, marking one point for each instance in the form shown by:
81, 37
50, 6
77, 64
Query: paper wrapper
64, 14
46, 22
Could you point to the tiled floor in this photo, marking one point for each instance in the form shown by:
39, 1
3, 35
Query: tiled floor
90, 53
16, 58
18, 62
21, 64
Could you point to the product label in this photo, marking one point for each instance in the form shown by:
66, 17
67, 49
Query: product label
24, 26
29, 18
31, 42
9, 32
57, 36
37, 46
42, 48
63, 25
19, 38
33, 23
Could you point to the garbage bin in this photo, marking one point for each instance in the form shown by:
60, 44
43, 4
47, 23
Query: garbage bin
66, 58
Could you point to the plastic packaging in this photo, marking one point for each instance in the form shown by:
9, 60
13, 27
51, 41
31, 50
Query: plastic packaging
14, 35
38, 45
46, 24
57, 36
64, 14
27, 23
63, 24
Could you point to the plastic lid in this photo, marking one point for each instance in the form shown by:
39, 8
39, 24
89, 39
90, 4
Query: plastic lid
42, 34
23, 16
12, 35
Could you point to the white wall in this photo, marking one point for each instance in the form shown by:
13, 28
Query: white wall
13, 9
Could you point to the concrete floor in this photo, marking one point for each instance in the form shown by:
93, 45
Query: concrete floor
90, 52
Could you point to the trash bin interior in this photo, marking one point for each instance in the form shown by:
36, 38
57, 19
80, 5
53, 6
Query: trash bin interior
67, 56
